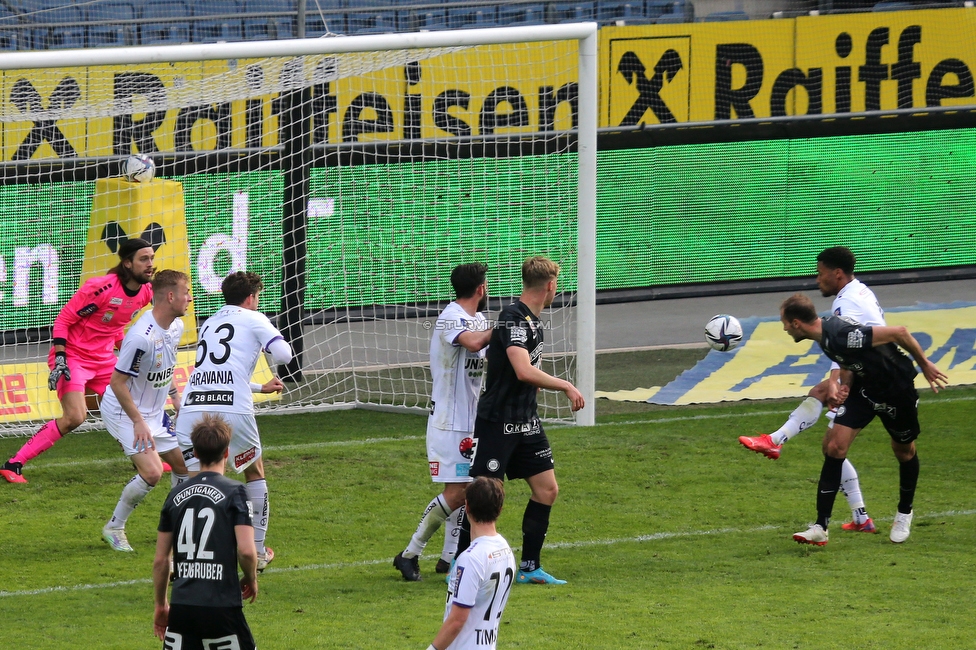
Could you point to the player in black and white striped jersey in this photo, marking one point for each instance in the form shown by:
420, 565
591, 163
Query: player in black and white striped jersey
853, 300
877, 380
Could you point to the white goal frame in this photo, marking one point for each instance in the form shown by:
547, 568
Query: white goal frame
584, 33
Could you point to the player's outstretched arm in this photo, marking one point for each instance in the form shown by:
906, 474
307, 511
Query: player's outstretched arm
525, 371
901, 336
451, 627
164, 543
247, 556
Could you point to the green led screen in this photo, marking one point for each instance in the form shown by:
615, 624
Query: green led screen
754, 210
389, 234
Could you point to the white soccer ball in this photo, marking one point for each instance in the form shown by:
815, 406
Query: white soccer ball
139, 169
723, 332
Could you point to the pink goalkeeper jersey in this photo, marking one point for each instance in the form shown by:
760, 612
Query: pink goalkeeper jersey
95, 317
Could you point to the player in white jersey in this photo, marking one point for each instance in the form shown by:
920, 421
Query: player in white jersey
132, 407
230, 343
483, 575
457, 361
854, 300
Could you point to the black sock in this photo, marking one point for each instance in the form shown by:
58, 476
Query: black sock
464, 534
535, 524
908, 474
830, 475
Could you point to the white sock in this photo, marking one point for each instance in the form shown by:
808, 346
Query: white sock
132, 495
257, 494
803, 417
175, 479
851, 488
451, 531
434, 515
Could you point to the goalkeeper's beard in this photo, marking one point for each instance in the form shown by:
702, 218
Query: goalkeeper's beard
483, 303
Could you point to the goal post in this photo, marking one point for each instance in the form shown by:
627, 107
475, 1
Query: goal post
352, 173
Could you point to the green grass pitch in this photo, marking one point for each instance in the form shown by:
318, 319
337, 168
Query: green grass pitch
670, 534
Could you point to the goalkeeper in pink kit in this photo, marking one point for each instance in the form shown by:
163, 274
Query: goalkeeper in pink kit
85, 332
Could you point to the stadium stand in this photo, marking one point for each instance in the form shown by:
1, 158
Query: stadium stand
268, 19
725, 16
111, 32
157, 31
53, 24
222, 28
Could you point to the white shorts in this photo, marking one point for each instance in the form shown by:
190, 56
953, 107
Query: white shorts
120, 427
245, 444
449, 454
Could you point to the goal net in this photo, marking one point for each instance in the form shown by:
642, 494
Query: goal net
351, 173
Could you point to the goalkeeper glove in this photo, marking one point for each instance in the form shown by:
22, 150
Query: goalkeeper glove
60, 370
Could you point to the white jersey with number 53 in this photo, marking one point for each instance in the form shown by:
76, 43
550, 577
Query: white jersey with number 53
230, 343
483, 577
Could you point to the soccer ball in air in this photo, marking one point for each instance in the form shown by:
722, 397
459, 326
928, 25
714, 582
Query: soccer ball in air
139, 169
723, 332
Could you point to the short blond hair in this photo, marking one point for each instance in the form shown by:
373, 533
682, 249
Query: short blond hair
536, 271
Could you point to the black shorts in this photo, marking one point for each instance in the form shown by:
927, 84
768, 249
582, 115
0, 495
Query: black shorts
192, 627
898, 413
516, 450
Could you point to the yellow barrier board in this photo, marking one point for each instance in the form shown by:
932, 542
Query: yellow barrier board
769, 364
24, 395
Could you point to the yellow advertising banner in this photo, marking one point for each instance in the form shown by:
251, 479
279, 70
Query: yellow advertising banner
235, 103
24, 395
810, 65
650, 74
769, 364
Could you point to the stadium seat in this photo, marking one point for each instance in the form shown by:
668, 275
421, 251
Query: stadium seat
62, 33
315, 26
269, 27
682, 8
670, 19
892, 5
110, 35
376, 22
534, 14
610, 12
11, 39
225, 28
570, 12
725, 16
162, 33
424, 20
655, 8
464, 17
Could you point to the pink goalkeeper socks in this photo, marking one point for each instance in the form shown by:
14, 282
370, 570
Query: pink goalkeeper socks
39, 443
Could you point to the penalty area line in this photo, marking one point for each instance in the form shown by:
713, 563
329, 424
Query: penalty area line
652, 537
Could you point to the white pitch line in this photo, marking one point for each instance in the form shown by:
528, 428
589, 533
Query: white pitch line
374, 441
652, 537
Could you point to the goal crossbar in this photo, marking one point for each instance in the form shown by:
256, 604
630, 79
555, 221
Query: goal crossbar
297, 47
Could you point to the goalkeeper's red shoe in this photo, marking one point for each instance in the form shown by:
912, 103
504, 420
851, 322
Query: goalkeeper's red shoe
761, 445
867, 527
166, 467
